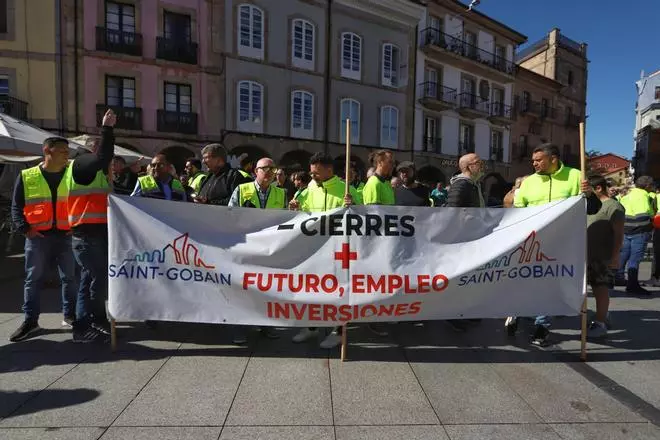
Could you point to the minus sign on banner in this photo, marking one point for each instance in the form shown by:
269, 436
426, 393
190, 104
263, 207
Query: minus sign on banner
284, 227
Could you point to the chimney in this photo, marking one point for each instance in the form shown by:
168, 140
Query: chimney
553, 37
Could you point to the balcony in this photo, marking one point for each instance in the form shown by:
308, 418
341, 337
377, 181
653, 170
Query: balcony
548, 113
434, 41
128, 118
116, 41
528, 108
472, 106
465, 147
572, 120
14, 107
432, 144
176, 50
436, 96
177, 122
501, 113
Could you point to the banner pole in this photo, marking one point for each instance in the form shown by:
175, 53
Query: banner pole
347, 171
113, 334
583, 169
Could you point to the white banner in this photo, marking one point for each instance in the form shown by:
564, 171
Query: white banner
200, 263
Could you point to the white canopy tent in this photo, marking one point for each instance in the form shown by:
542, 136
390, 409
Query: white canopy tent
128, 155
21, 142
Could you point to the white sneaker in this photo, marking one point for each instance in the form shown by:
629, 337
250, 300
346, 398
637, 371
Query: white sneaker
331, 341
597, 330
305, 335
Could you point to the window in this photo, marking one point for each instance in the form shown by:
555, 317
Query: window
178, 98
351, 52
250, 106
4, 85
526, 101
250, 31
302, 50
177, 27
391, 62
570, 78
545, 108
435, 36
350, 109
657, 93
430, 83
302, 114
3, 16
466, 140
120, 91
431, 141
470, 44
496, 142
389, 127
119, 17
522, 146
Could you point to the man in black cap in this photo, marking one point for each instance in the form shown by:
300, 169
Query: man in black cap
410, 193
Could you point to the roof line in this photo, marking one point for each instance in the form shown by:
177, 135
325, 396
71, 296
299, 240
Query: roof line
522, 37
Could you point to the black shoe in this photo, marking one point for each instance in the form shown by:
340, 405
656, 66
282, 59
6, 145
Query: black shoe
637, 290
540, 338
103, 327
27, 329
620, 282
89, 335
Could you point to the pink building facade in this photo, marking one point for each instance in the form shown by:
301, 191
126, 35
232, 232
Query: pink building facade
151, 62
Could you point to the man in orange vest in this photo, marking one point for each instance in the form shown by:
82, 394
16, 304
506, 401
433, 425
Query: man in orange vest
87, 205
39, 211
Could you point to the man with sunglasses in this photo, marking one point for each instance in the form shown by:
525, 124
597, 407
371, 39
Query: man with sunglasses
159, 183
258, 194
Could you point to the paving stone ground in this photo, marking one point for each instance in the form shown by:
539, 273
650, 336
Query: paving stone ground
185, 381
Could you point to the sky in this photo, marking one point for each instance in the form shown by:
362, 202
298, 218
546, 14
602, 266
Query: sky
622, 41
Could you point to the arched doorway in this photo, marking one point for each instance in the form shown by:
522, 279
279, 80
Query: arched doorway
495, 187
430, 175
356, 161
177, 156
254, 152
295, 160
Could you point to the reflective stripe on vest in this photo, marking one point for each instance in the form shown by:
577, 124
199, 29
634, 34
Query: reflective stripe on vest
150, 188
639, 211
88, 204
38, 209
248, 192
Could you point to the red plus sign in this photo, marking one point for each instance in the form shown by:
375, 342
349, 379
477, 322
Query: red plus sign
345, 256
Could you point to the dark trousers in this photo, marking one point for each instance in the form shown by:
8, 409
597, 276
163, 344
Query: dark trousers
91, 253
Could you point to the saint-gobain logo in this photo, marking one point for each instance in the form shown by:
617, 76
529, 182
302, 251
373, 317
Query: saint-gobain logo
526, 261
179, 260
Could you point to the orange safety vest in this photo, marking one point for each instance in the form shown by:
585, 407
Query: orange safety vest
88, 204
38, 209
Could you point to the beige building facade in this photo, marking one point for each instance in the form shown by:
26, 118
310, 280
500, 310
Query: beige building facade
551, 99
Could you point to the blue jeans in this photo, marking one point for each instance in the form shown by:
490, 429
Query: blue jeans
632, 252
91, 252
40, 252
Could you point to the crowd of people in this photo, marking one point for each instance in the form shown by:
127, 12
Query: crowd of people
61, 207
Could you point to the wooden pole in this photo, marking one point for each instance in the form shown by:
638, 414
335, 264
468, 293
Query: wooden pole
583, 169
113, 334
347, 183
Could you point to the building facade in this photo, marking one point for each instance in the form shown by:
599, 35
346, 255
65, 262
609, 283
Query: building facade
296, 70
553, 112
30, 68
154, 63
464, 98
611, 166
646, 147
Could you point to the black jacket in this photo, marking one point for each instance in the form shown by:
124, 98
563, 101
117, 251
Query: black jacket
218, 187
464, 193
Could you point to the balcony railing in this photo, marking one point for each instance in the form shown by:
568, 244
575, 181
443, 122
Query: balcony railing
465, 147
434, 37
177, 122
470, 101
432, 144
128, 118
501, 110
528, 107
176, 50
548, 112
433, 90
496, 153
112, 40
14, 107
